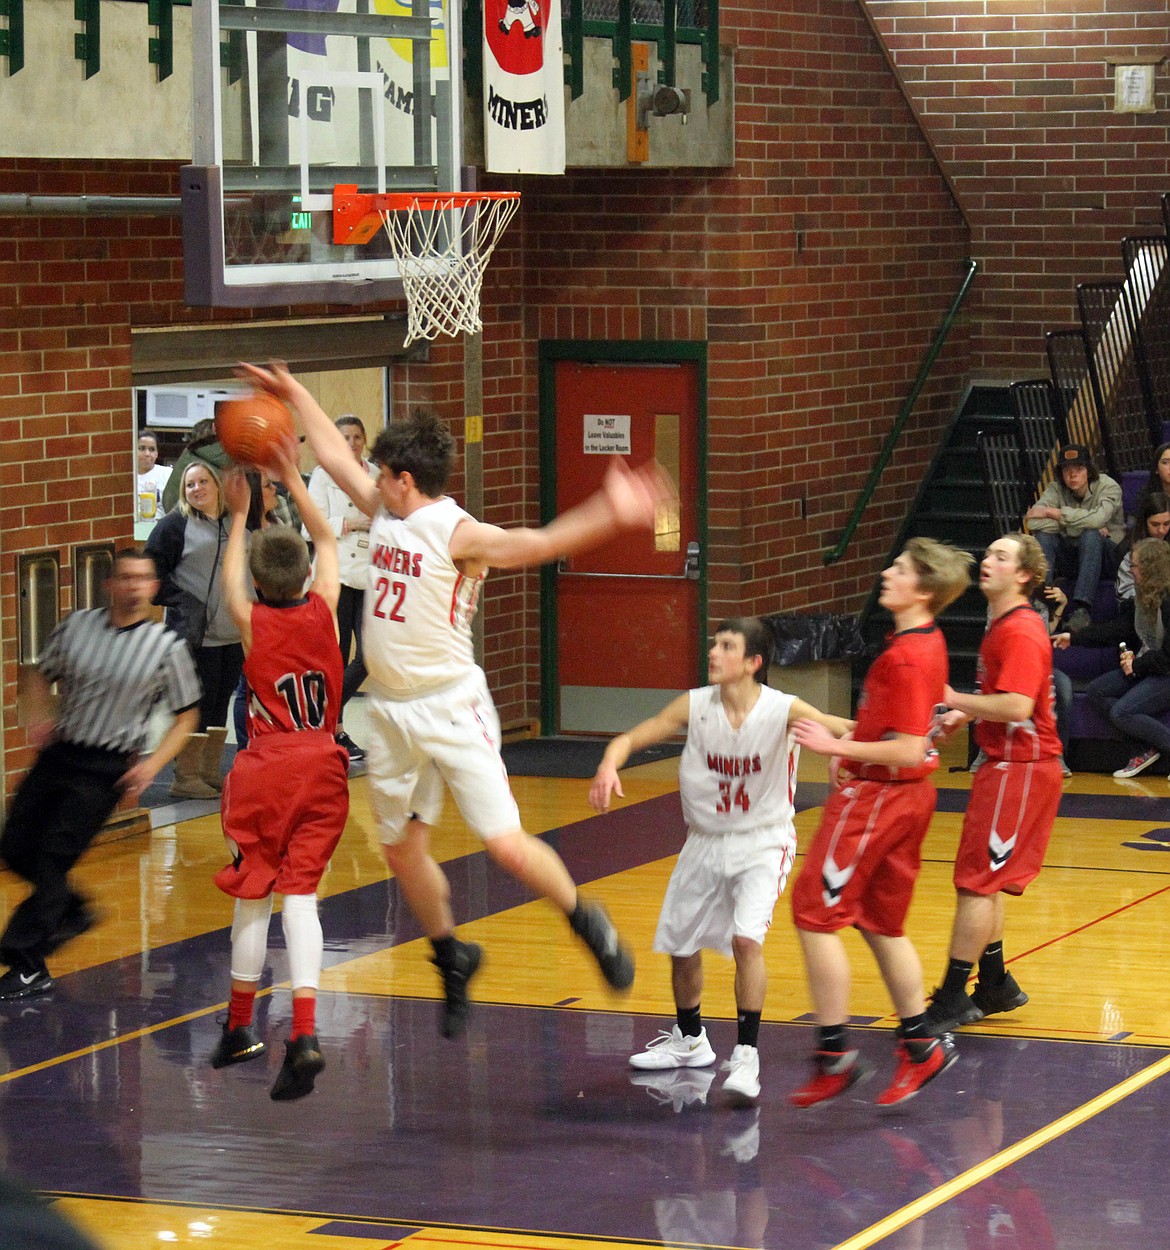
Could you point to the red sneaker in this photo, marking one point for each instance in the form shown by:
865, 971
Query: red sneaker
835, 1073
920, 1059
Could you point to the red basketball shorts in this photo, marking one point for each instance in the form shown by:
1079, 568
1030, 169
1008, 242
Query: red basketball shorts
864, 860
285, 804
1007, 826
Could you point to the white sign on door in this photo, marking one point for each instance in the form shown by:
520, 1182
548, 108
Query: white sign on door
607, 435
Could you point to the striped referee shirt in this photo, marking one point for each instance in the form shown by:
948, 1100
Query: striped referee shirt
111, 679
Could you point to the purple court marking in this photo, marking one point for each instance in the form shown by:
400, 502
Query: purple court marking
1086, 806
536, 1123
368, 1232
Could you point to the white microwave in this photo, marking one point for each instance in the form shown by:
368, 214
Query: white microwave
179, 407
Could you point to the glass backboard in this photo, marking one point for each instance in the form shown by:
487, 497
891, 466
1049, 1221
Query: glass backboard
293, 97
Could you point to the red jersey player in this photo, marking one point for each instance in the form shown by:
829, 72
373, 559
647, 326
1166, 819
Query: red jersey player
1015, 793
862, 865
293, 667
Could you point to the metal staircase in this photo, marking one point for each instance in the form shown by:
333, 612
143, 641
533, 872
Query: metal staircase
953, 504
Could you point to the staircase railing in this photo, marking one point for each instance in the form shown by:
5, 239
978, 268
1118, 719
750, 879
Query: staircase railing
875, 474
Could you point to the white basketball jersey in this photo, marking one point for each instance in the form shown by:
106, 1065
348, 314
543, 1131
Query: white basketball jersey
416, 633
736, 780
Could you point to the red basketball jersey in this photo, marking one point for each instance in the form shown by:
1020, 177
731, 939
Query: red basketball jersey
901, 690
293, 669
1015, 657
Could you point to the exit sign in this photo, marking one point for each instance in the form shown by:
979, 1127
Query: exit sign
301, 221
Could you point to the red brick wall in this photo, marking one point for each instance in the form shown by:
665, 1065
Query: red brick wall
817, 272
1017, 99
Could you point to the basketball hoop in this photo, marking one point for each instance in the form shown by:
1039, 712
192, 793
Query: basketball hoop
442, 242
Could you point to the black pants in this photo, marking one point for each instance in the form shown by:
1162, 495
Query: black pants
55, 815
349, 624
219, 670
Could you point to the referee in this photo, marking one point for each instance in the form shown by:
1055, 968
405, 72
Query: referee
112, 666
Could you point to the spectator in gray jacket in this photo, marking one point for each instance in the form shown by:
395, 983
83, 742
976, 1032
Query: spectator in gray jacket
1078, 521
188, 546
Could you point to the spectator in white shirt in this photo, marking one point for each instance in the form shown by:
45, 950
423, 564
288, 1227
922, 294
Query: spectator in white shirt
352, 528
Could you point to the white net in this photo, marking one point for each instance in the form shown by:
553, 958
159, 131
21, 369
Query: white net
443, 245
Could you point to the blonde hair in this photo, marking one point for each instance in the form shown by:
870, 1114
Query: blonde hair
943, 571
1152, 557
1031, 560
184, 507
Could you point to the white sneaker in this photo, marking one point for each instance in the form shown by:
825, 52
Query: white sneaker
677, 1088
672, 1050
743, 1080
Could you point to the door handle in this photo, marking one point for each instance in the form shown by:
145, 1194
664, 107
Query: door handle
690, 572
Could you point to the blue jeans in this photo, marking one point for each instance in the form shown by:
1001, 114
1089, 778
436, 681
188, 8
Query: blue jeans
1088, 555
1062, 704
1133, 706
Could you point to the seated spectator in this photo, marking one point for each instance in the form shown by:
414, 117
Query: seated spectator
1135, 695
1152, 520
152, 477
1078, 521
1160, 473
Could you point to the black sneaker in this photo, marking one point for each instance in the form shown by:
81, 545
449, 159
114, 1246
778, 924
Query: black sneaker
948, 1012
302, 1061
992, 999
593, 926
352, 749
25, 983
456, 1005
237, 1045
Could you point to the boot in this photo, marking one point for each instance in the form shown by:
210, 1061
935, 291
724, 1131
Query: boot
187, 783
211, 768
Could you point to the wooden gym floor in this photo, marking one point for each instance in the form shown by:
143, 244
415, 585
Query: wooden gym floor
532, 1132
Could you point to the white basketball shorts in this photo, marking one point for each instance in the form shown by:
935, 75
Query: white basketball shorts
724, 886
450, 737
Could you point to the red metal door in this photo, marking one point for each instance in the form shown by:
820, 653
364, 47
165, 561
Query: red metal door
628, 628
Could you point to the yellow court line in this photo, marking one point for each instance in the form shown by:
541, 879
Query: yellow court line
124, 1037
1005, 1158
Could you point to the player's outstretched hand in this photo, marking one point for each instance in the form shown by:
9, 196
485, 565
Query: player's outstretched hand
606, 783
286, 458
237, 494
636, 494
275, 379
815, 737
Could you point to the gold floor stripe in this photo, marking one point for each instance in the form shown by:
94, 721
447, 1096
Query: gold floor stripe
1005, 1158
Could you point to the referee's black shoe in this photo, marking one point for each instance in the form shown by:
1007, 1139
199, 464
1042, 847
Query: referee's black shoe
25, 981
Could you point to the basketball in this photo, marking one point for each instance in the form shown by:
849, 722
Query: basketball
252, 427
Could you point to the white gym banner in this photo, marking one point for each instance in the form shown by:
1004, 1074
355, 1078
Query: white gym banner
523, 87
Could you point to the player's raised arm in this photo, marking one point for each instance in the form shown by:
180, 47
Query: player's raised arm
670, 722
237, 495
627, 500
326, 570
327, 441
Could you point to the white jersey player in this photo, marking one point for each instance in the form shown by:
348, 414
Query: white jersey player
737, 778
430, 709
